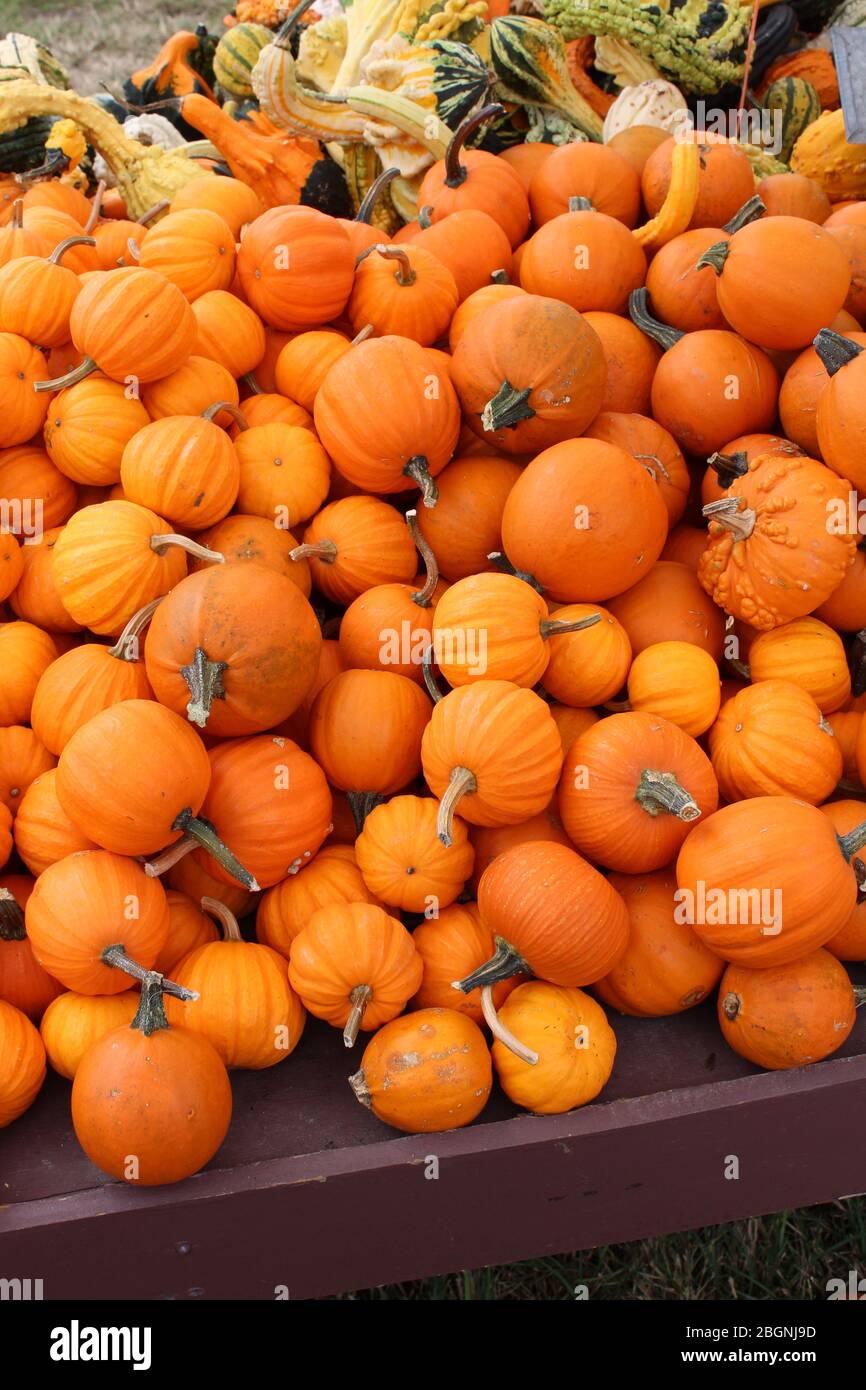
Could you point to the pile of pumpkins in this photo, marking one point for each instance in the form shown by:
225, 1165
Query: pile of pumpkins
467, 612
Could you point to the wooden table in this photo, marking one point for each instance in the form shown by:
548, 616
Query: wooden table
310, 1193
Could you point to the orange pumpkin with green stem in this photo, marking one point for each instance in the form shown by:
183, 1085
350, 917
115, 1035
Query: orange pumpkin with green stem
354, 966
632, 787
725, 468
841, 423
802, 387
476, 179
450, 946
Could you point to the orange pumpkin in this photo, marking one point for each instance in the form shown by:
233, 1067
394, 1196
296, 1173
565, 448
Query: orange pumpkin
25, 653
256, 540
43, 831
669, 605
235, 201
22, 409
583, 169
651, 446
332, 876
36, 599
772, 740
184, 467
296, 267
23, 981
725, 180
631, 359
34, 489
476, 179
403, 290
193, 248
23, 1070
665, 967
190, 390
404, 863
88, 426
452, 945
23, 758
572, 1041
788, 1015
72, 1023
189, 928
366, 728
677, 681
591, 667
810, 654
353, 544
11, 563
802, 387
470, 244
466, 523
849, 943
284, 473
228, 332
305, 361
37, 294
794, 195
587, 259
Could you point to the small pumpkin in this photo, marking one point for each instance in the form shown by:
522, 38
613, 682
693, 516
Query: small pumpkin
572, 1040
677, 681
669, 605
26, 652
587, 259
632, 787
450, 946
355, 543
840, 416
249, 1012
465, 526
470, 244
43, 831
354, 966
32, 485
11, 563
404, 863
802, 387
22, 410
725, 180
72, 1023
476, 179
649, 445
631, 360
255, 540
296, 267
772, 740
188, 929
189, 391
88, 426
332, 876
794, 195
787, 1015
849, 943
121, 1105
23, 758
366, 729
236, 202
665, 967
304, 362
402, 290
36, 599
586, 668
429, 1097
229, 332
23, 1063
810, 654
390, 626
284, 473
585, 170
23, 981
37, 294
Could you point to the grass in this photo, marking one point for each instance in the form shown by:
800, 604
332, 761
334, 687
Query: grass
788, 1255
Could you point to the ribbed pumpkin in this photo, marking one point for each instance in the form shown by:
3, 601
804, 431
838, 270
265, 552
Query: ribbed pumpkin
23, 981
849, 943
296, 267
23, 758
772, 740
88, 903
366, 728
388, 417
190, 390
26, 652
305, 361
228, 332
725, 179
354, 966
22, 410
193, 249
37, 294
355, 543
788, 1015
677, 681
235, 201
807, 652
29, 480
669, 605
529, 373
89, 425
255, 540
72, 1023
665, 967
332, 876
390, 626
492, 840
585, 520
249, 1012
43, 831
632, 787
478, 302
233, 656
11, 563
738, 865
284, 473
573, 1043
451, 946
23, 1063
402, 290
587, 668
428, 1097
36, 599
475, 179
183, 467
403, 861
491, 749
466, 523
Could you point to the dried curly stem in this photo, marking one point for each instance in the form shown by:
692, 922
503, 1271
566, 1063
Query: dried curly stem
404, 274
455, 172
116, 957
555, 627
234, 411
324, 550
499, 1030
126, 646
423, 596
359, 999
70, 378
417, 468
201, 552
224, 915
63, 246
461, 783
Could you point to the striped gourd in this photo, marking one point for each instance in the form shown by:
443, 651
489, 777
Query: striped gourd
32, 59
237, 54
529, 59
460, 79
24, 148
797, 104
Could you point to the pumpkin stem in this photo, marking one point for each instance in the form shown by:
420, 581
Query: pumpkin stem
426, 671
63, 246
461, 783
503, 563
364, 334
499, 1030
116, 957
425, 217
361, 804
16, 221
169, 857
729, 467
358, 1083
853, 841
500, 277
417, 468
857, 663
204, 680
151, 213
60, 383
126, 648
205, 834
371, 197
731, 1005
224, 915
201, 552
553, 627
234, 411
95, 207
859, 996
359, 999
715, 256
150, 1015
727, 513
507, 408
660, 791
751, 210
11, 918
252, 385
504, 963
455, 172
423, 596
326, 551
404, 274
579, 204
290, 24
639, 313
834, 351
133, 250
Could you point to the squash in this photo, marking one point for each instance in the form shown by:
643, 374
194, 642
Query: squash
845, 609
585, 520
476, 179
428, 1097
812, 65
296, 267
725, 468
450, 945
745, 569
572, 1040
23, 1063
655, 103
79, 908
808, 653
789, 1015
665, 968
72, 1023
632, 787
532, 66
354, 966
725, 180
402, 860
249, 1013
822, 153
798, 105
772, 740
236, 55
793, 195
736, 871
677, 681
332, 876
128, 1121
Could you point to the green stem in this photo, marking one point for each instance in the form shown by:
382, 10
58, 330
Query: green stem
508, 408
361, 804
427, 672
660, 791
579, 204
71, 378
455, 172
150, 1016
502, 563
661, 333
205, 834
853, 841
504, 963
729, 467
749, 212
715, 256
117, 958
11, 918
834, 351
